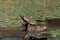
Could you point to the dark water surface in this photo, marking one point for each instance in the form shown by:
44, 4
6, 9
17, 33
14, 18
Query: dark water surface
11, 39
56, 38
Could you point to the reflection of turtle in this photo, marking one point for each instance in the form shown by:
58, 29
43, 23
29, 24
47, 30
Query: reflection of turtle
34, 34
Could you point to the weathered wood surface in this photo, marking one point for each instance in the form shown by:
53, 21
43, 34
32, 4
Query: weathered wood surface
53, 24
12, 32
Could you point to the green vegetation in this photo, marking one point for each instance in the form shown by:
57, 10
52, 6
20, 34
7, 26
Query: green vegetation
55, 33
38, 9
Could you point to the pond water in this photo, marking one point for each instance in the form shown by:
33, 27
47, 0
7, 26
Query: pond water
56, 38
11, 39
